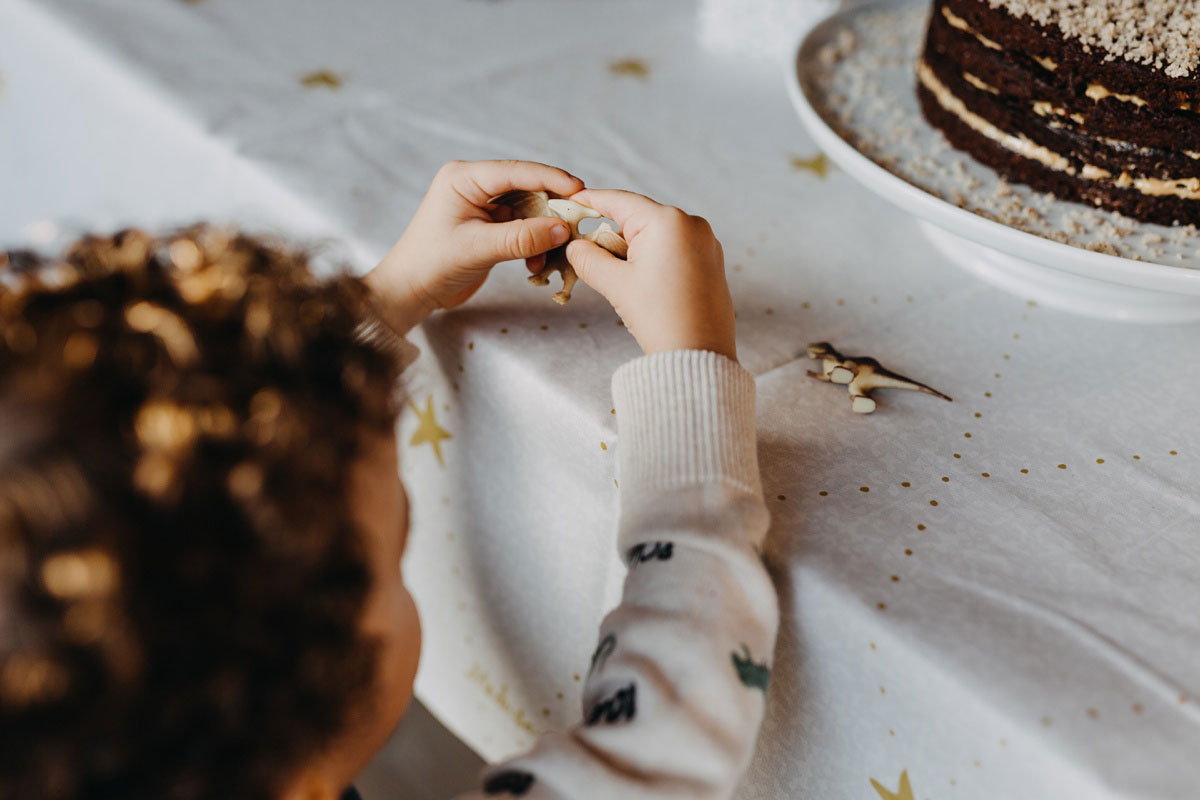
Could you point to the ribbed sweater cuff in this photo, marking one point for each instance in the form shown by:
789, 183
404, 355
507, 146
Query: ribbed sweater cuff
684, 418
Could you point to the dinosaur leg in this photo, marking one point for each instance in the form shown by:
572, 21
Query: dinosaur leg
842, 375
862, 404
569, 280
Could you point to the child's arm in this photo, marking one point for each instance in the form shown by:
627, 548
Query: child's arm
676, 691
454, 240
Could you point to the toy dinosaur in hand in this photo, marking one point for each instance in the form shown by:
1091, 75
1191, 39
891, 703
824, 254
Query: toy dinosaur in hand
860, 375
540, 204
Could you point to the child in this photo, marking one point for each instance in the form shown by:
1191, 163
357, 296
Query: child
201, 520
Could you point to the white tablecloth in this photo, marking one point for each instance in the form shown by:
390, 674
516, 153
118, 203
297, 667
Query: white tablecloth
1031, 635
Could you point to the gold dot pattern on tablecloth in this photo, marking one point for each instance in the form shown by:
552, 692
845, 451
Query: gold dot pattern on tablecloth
997, 374
1099, 460
1183, 698
750, 251
1062, 466
1174, 453
769, 311
612, 411
545, 327
781, 497
617, 485
322, 79
933, 502
559, 695
967, 435
920, 526
1024, 471
504, 330
841, 302
823, 493
895, 579
881, 606
945, 479
985, 474
470, 345
977, 763
603, 446
620, 323
575, 677
872, 645
737, 267
1136, 708
908, 552
1046, 722
1093, 713
630, 67
905, 484
582, 326
545, 711
864, 488
806, 305
978, 415
1137, 458
987, 394
882, 690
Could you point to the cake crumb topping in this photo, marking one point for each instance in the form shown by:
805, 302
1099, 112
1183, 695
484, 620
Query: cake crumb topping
1164, 34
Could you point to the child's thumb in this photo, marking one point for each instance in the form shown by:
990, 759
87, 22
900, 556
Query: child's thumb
526, 238
595, 265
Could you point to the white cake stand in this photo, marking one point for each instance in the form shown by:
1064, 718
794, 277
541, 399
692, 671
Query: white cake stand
1050, 272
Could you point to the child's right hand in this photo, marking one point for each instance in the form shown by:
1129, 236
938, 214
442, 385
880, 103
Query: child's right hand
671, 291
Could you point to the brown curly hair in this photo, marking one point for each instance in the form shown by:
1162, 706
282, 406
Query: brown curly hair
180, 581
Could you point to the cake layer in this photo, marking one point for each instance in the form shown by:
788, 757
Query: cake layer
1028, 81
1075, 64
1165, 210
1061, 131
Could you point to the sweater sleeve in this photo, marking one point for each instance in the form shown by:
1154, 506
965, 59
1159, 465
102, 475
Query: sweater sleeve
677, 686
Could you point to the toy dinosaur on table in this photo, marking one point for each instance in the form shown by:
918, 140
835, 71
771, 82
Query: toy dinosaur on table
860, 375
540, 204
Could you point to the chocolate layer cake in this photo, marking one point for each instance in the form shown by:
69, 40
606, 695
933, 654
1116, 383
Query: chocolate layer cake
1096, 101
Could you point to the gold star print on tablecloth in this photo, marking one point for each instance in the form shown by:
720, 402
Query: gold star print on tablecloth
818, 164
428, 431
903, 793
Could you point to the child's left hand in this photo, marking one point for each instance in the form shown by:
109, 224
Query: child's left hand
454, 240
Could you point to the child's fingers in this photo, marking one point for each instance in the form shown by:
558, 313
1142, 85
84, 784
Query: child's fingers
616, 204
522, 238
478, 181
536, 264
595, 266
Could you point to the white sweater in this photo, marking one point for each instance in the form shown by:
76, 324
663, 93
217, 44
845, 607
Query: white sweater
675, 696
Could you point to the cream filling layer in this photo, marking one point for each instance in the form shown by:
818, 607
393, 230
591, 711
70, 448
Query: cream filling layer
961, 24
1186, 188
958, 23
1017, 143
980, 85
1098, 93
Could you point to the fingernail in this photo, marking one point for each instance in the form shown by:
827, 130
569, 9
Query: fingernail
560, 234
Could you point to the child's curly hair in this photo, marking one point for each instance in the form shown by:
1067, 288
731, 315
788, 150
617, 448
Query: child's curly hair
180, 579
